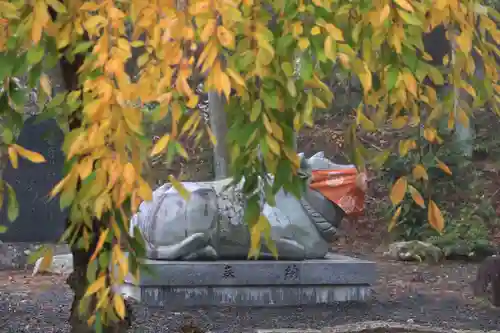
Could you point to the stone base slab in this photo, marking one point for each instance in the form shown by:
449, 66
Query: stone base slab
334, 279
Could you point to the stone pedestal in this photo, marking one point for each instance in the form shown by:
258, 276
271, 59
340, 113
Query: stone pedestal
336, 278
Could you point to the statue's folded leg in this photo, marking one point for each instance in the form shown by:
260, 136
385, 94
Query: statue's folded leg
288, 249
207, 253
187, 246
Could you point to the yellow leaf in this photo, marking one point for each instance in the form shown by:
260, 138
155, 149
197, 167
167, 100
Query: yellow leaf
129, 173
443, 167
192, 102
394, 219
405, 5
365, 76
91, 320
47, 260
297, 29
430, 134
400, 122
330, 51
410, 82
211, 135
435, 217
95, 21
398, 190
315, 31
463, 118
160, 145
100, 243
464, 41
45, 84
119, 305
364, 121
335, 32
236, 77
384, 14
208, 30
419, 172
13, 157
96, 286
103, 299
28, 154
273, 145
57, 5
122, 260
185, 194
303, 43
59, 186
417, 197
145, 191
89, 6
277, 131
192, 121
256, 232
226, 37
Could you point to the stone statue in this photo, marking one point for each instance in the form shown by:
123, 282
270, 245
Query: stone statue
210, 226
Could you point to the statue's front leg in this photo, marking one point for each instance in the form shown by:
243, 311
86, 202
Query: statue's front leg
207, 253
188, 246
288, 249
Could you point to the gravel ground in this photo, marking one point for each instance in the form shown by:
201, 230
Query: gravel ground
422, 294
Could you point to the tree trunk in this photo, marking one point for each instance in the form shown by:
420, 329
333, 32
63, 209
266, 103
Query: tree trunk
65, 77
218, 123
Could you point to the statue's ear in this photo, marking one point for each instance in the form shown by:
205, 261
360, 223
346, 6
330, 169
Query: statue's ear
319, 154
305, 169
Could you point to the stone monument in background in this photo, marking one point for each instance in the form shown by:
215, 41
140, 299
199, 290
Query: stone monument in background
40, 219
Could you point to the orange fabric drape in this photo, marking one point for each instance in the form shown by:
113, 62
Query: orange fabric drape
344, 187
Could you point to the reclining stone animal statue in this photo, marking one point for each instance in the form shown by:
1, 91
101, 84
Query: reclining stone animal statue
210, 225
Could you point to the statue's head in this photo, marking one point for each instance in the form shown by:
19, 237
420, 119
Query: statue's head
317, 203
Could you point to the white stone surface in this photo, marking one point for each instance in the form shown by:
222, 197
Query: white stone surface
62, 264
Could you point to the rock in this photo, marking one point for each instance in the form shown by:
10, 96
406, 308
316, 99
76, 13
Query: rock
414, 250
16, 255
61, 264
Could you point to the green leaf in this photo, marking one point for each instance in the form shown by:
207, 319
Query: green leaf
6, 65
306, 69
392, 76
287, 68
20, 65
92, 271
409, 18
3, 229
82, 47
34, 75
256, 110
104, 260
98, 323
67, 198
35, 54
290, 86
436, 75
269, 98
18, 96
12, 204
7, 136
283, 44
